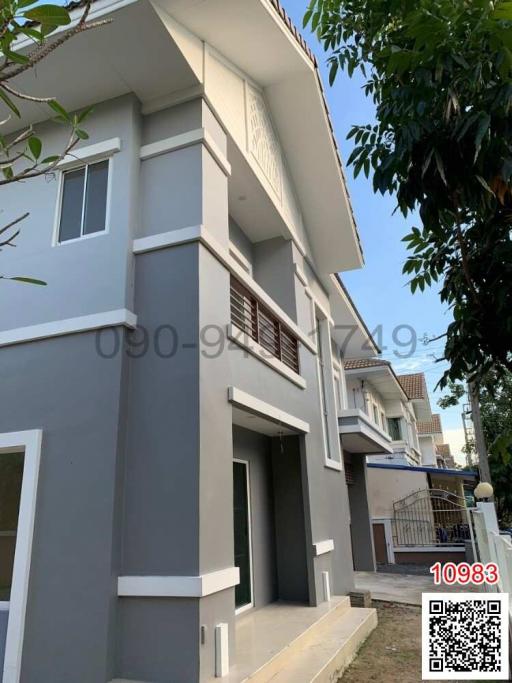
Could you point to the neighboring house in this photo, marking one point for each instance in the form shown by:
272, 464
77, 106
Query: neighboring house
414, 495
375, 392
434, 451
169, 432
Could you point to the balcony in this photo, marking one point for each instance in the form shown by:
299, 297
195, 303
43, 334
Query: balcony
250, 316
360, 435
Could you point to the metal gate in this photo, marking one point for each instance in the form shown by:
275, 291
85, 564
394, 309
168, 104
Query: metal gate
430, 517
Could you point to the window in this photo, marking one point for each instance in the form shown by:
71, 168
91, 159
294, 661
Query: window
383, 421
375, 414
250, 316
83, 205
11, 475
394, 428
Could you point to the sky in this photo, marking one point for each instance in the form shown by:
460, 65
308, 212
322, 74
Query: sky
379, 290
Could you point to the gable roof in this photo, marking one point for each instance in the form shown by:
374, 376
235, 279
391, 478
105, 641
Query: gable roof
432, 426
364, 363
414, 386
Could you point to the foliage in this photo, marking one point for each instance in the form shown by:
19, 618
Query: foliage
496, 413
440, 75
29, 32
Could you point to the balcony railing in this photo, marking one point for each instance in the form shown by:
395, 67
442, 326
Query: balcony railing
253, 318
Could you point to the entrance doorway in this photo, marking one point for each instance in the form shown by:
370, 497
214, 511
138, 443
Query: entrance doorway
242, 532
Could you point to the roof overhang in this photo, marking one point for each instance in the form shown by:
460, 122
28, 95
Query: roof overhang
256, 40
349, 331
134, 53
143, 52
383, 379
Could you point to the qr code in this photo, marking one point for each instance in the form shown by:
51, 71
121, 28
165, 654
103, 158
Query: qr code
465, 636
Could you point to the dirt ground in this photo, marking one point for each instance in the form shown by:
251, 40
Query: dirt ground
393, 651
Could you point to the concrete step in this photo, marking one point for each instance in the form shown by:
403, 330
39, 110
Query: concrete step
321, 653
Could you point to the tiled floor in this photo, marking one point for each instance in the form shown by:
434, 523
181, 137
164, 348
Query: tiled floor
261, 634
405, 588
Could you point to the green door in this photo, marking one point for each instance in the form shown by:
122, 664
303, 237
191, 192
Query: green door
243, 592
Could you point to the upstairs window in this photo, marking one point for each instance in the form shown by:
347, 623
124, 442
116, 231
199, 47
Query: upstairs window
394, 428
83, 206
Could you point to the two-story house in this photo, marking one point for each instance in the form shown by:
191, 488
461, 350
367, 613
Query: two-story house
168, 433
388, 404
435, 452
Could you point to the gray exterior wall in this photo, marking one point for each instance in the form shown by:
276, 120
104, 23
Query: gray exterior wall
360, 519
63, 386
136, 467
87, 276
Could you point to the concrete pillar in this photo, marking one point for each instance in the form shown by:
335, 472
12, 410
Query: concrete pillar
362, 533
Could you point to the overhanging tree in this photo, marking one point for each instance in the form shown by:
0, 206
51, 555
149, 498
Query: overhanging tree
42, 28
440, 75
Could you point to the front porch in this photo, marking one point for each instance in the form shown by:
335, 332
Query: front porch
286, 642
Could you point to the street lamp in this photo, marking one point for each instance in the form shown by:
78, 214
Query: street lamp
483, 491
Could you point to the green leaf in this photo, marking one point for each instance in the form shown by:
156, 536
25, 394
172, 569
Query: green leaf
81, 134
440, 166
50, 159
483, 127
5, 97
48, 15
59, 109
27, 280
35, 145
484, 184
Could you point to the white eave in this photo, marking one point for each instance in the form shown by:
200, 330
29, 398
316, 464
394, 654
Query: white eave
138, 53
349, 331
252, 36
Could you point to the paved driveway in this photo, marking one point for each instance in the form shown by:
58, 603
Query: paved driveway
405, 588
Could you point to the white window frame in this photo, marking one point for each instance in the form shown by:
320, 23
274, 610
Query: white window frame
249, 605
58, 214
325, 374
85, 156
28, 443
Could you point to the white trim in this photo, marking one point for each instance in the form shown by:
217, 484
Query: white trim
221, 650
235, 252
301, 275
30, 443
172, 238
256, 405
429, 549
246, 342
250, 604
60, 194
58, 328
323, 547
98, 151
184, 140
172, 99
177, 586
327, 586
333, 464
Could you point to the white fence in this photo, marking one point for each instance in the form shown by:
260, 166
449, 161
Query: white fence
493, 546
